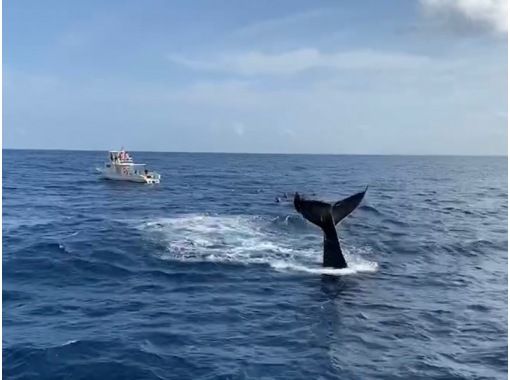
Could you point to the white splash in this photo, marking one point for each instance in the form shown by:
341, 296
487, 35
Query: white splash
69, 342
246, 240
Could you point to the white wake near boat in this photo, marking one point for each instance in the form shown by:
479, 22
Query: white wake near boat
120, 167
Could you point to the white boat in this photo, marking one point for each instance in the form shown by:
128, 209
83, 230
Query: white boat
121, 167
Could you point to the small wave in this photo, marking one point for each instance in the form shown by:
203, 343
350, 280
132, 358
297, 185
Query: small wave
15, 296
41, 246
15, 224
69, 342
246, 240
370, 209
395, 222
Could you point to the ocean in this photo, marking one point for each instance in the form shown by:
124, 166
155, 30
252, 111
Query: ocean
208, 276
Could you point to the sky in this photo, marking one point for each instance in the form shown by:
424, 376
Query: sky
288, 76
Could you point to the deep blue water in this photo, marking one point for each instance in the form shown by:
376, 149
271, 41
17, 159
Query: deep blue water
205, 276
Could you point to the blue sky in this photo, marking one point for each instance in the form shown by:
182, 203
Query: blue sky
363, 77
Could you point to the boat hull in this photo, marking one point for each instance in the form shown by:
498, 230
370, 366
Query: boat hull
129, 178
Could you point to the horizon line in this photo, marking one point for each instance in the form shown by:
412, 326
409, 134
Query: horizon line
267, 153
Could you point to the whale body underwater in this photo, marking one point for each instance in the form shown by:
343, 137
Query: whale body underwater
327, 216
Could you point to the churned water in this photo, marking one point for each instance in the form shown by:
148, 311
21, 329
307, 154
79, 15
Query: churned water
207, 276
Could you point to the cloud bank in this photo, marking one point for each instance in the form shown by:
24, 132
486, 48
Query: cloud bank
299, 60
491, 14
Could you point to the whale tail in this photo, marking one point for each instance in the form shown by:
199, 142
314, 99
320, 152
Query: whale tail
327, 216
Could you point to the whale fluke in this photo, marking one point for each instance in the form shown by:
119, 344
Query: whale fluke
327, 216
343, 208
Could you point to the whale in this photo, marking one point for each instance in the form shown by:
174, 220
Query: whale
327, 216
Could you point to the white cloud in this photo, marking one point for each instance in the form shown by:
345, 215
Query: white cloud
293, 20
239, 128
485, 13
295, 61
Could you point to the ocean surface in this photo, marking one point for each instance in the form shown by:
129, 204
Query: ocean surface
207, 276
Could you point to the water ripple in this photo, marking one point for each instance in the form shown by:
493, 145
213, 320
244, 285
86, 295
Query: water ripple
207, 277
